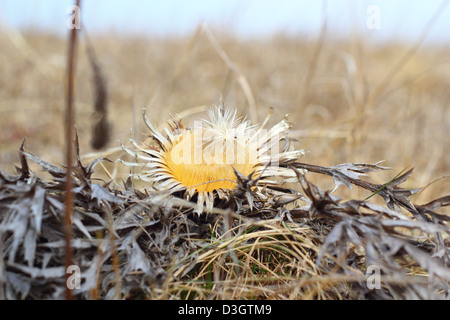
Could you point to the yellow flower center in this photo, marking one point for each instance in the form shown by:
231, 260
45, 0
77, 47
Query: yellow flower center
206, 163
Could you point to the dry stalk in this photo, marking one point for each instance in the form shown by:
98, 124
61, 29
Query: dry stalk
70, 124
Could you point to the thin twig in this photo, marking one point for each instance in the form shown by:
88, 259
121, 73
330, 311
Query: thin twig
240, 77
406, 57
312, 67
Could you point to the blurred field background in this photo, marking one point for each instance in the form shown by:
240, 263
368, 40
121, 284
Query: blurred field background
350, 99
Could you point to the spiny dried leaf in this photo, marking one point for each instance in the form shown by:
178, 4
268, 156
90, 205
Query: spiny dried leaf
101, 194
154, 234
393, 196
52, 169
24, 170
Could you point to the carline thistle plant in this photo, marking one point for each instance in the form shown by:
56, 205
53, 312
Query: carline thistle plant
202, 160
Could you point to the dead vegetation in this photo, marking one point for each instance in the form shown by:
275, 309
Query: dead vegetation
292, 242
135, 245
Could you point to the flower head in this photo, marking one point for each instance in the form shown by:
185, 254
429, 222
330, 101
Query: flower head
202, 160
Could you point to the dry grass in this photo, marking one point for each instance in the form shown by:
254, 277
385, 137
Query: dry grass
407, 124
340, 115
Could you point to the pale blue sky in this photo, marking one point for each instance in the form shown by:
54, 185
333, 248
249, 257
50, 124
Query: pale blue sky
400, 19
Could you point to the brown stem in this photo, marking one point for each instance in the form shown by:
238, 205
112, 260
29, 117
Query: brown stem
70, 123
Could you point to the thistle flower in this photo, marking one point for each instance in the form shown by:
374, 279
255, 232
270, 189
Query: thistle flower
202, 160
